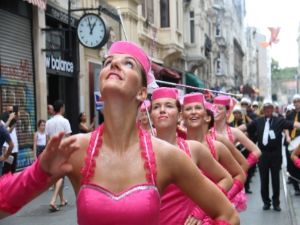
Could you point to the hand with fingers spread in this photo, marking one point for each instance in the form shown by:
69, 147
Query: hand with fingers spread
54, 159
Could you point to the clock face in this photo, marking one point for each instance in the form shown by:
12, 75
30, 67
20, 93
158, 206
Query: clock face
92, 31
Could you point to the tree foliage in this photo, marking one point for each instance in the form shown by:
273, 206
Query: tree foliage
284, 73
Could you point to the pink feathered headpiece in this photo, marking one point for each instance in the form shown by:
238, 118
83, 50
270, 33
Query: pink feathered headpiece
165, 92
194, 97
132, 49
210, 107
222, 100
145, 105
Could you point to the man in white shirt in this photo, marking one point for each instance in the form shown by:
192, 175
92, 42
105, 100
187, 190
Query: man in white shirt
54, 125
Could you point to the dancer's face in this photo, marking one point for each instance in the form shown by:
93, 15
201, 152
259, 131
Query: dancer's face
121, 74
143, 118
193, 114
221, 112
164, 113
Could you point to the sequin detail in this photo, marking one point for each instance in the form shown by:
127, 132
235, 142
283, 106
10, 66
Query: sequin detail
124, 194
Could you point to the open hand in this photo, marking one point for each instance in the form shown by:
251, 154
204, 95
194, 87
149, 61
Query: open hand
54, 159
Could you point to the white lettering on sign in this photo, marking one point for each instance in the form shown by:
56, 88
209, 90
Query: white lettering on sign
59, 64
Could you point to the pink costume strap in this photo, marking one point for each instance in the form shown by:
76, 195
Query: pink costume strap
183, 145
148, 155
213, 133
211, 145
94, 147
229, 133
88, 169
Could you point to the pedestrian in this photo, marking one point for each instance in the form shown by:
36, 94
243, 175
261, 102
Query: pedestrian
5, 156
12, 127
176, 207
53, 126
16, 190
50, 111
82, 123
120, 171
39, 139
269, 132
293, 115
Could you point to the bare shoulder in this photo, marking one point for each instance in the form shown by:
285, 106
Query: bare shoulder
163, 150
77, 158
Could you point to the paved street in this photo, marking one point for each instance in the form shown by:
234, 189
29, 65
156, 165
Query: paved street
36, 213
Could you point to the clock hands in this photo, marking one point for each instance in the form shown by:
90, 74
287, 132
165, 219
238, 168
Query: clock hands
90, 25
93, 26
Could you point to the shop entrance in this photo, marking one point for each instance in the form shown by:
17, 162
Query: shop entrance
66, 89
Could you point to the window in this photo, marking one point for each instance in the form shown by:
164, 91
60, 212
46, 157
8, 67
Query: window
164, 13
219, 65
192, 27
148, 11
218, 29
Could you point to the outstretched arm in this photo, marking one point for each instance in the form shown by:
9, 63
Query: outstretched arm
51, 165
235, 152
185, 174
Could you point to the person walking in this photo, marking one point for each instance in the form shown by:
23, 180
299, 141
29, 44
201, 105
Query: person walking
39, 139
269, 135
12, 128
55, 125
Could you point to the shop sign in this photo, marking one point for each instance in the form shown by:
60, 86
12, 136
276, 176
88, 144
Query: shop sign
59, 64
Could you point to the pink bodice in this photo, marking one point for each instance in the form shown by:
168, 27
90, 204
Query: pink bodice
136, 205
175, 205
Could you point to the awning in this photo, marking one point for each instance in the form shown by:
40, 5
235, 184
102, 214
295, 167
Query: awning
193, 80
164, 71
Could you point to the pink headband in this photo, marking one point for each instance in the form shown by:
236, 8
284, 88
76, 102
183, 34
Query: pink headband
132, 49
145, 105
164, 92
194, 97
222, 100
210, 107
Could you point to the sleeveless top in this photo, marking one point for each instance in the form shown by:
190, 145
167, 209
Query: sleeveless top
175, 205
41, 138
136, 205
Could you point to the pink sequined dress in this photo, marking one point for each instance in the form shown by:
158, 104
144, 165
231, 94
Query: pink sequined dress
136, 205
175, 205
240, 200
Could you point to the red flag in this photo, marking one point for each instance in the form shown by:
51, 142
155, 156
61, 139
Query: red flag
273, 38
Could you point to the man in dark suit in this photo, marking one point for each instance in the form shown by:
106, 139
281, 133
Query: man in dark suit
269, 138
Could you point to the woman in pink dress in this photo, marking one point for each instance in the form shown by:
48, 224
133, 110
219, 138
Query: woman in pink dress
120, 171
198, 118
165, 112
222, 106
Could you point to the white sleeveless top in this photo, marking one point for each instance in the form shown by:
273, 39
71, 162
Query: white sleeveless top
41, 138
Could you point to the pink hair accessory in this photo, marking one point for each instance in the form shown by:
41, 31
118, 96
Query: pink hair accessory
145, 105
132, 49
194, 97
210, 107
165, 92
222, 100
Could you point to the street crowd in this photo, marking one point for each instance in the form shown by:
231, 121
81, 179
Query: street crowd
162, 160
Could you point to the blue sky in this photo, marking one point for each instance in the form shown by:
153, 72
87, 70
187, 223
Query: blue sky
277, 13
